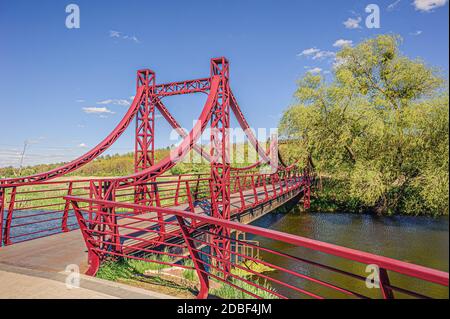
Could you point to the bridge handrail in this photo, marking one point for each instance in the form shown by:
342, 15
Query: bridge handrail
405, 268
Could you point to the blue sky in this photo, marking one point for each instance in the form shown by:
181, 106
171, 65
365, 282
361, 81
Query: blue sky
52, 78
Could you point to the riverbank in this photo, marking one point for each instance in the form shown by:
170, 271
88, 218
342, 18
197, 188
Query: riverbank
333, 194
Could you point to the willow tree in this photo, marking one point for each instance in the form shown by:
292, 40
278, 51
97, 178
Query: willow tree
379, 128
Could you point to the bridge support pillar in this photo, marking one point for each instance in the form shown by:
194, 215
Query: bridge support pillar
220, 164
144, 155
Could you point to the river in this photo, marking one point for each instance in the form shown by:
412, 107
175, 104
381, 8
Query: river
415, 239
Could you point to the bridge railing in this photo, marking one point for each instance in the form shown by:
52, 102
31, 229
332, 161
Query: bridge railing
38, 209
286, 266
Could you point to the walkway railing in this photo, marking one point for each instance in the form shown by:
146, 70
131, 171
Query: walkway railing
38, 209
114, 230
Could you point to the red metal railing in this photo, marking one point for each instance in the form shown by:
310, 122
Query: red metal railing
124, 230
38, 209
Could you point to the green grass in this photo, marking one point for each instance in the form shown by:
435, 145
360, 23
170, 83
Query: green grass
189, 274
227, 291
113, 270
127, 268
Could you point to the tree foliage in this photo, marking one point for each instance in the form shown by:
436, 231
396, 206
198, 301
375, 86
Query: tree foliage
379, 127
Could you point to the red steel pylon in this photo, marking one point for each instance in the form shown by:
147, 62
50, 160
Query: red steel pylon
144, 154
220, 163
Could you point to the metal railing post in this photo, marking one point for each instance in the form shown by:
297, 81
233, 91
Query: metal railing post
177, 191
196, 259
190, 201
241, 194
274, 187
7, 231
93, 256
254, 190
385, 284
66, 210
162, 226
266, 193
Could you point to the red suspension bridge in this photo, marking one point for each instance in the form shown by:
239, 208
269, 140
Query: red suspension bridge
201, 218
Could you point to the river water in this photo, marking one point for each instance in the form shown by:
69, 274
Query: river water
420, 240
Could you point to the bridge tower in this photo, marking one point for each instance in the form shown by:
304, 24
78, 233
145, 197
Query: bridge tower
220, 162
144, 153
145, 122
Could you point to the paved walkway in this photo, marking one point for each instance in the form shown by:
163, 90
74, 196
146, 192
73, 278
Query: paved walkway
25, 283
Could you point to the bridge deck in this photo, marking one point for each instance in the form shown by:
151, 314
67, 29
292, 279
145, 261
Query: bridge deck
54, 253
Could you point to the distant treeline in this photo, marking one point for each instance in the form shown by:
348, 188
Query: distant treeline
123, 164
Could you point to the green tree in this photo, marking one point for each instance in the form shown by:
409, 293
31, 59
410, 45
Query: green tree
379, 129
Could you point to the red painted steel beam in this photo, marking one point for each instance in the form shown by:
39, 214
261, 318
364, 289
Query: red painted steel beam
144, 152
183, 87
220, 162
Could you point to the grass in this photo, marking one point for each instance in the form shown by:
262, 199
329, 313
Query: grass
189, 274
227, 291
127, 268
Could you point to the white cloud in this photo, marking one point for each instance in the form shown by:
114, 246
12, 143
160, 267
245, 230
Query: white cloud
416, 33
323, 55
393, 5
114, 34
428, 5
352, 23
316, 54
132, 38
121, 102
82, 145
315, 70
308, 52
120, 35
342, 43
97, 110
80, 101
